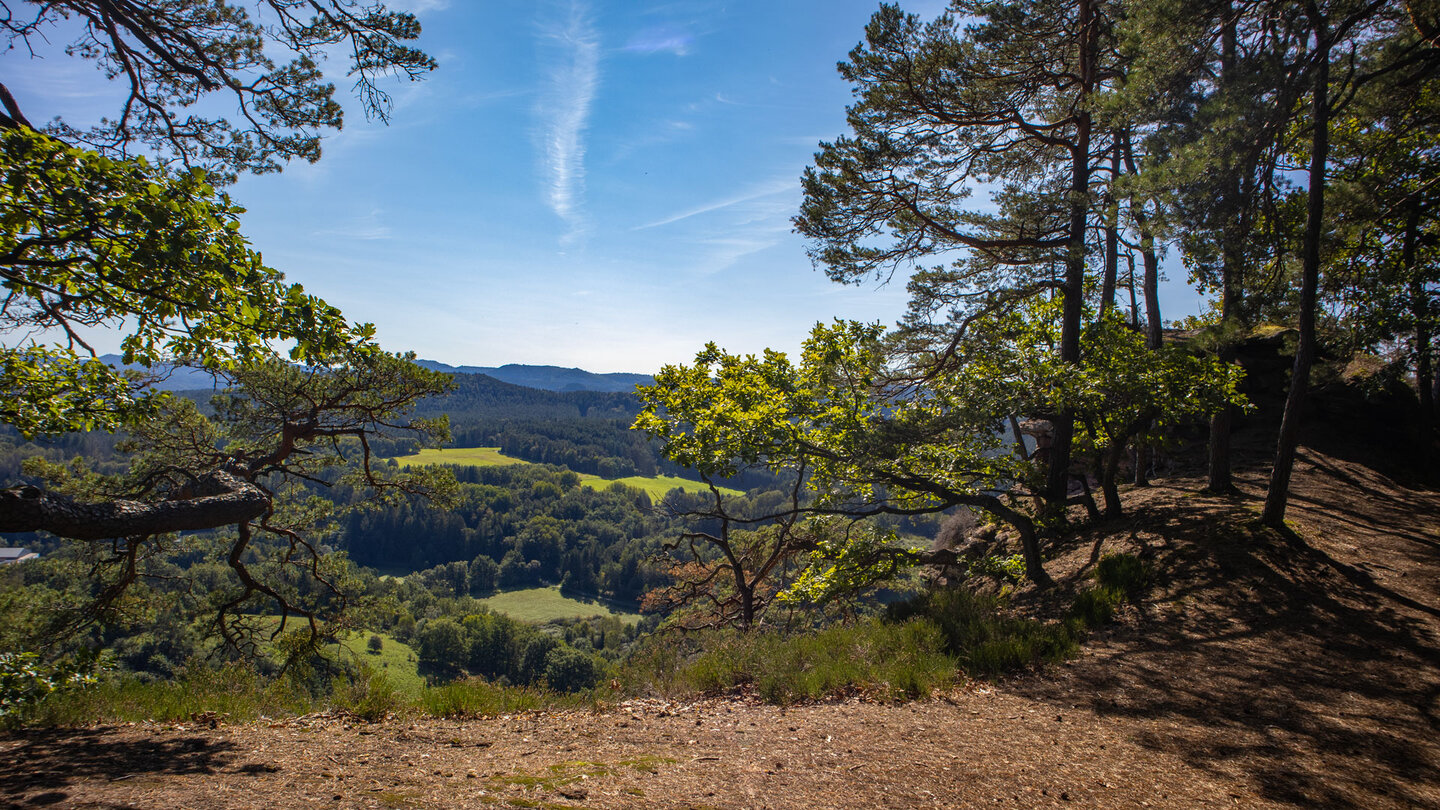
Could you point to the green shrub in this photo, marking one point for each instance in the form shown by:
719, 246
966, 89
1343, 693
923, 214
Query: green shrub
236, 692
25, 681
1011, 568
1097, 605
985, 642
371, 696
885, 659
570, 670
478, 697
1123, 572
1118, 577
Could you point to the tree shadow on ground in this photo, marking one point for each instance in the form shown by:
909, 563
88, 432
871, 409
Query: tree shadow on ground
37, 771
1307, 664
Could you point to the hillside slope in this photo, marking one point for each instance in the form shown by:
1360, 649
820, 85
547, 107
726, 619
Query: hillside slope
1261, 671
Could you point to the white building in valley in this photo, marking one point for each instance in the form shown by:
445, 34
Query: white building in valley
15, 555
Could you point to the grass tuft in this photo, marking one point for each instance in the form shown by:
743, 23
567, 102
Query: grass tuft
883, 659
1123, 572
234, 693
477, 697
372, 696
984, 641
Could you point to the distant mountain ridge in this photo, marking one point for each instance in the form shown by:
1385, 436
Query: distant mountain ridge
550, 378
170, 378
544, 378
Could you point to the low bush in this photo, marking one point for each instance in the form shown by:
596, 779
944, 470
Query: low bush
477, 697
1097, 605
1123, 572
1118, 577
26, 681
984, 641
236, 693
371, 696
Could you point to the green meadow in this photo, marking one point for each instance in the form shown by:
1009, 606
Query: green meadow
656, 486
461, 456
548, 604
396, 660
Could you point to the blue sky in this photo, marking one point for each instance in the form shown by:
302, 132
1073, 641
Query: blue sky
605, 185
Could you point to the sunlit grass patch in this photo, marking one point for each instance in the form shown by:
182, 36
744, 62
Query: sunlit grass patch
655, 486
883, 659
231, 694
396, 659
461, 457
542, 605
477, 697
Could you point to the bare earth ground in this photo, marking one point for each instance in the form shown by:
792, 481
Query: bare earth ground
1299, 672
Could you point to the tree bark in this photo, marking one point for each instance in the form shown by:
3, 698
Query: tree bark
1058, 483
1220, 479
1277, 497
1029, 541
1112, 236
1420, 311
220, 499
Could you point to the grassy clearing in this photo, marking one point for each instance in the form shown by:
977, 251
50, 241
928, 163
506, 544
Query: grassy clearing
396, 660
460, 456
656, 486
542, 605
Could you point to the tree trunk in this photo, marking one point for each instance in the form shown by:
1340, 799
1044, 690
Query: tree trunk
1112, 236
1109, 486
1059, 473
1130, 284
1420, 311
1220, 480
1110, 467
1154, 334
1154, 328
1278, 495
1029, 540
1142, 460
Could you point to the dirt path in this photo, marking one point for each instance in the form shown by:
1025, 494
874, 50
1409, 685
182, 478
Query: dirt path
1300, 672
985, 748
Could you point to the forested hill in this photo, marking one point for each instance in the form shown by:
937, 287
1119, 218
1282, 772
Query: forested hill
544, 414
478, 397
586, 431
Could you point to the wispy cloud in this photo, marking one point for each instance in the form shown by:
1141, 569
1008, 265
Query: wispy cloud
573, 45
768, 189
368, 227
660, 40
419, 6
719, 234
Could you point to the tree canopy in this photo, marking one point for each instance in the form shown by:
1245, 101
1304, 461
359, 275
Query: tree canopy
170, 55
122, 226
93, 241
1009, 158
